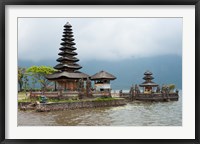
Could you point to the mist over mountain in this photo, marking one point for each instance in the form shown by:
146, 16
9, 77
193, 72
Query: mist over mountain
166, 69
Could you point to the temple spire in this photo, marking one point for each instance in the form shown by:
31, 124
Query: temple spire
67, 55
67, 75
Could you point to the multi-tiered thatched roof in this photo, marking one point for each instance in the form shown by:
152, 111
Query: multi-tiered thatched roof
148, 80
68, 66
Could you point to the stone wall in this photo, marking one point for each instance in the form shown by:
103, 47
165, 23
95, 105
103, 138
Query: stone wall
75, 105
160, 97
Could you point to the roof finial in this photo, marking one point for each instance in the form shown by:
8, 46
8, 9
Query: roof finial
67, 24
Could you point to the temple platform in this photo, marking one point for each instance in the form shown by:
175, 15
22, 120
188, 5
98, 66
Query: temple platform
151, 97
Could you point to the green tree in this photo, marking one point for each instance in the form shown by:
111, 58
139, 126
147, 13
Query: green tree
39, 73
21, 73
171, 87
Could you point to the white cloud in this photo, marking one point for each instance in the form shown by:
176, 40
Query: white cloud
101, 38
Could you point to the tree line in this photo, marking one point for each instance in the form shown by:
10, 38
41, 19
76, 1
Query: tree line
34, 75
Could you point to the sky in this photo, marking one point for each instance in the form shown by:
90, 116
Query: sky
124, 47
104, 39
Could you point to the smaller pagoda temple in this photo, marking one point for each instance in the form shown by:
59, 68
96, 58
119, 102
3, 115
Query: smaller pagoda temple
148, 84
102, 81
151, 91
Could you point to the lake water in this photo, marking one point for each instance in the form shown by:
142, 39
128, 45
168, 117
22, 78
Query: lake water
132, 114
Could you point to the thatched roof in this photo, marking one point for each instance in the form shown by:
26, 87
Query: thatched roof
103, 75
67, 75
144, 84
67, 25
148, 73
67, 48
61, 66
63, 53
73, 59
146, 77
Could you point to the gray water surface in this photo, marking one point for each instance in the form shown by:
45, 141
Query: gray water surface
132, 114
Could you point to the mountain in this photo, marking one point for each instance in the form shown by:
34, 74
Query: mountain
166, 69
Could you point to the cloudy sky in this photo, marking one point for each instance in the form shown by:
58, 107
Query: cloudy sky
125, 47
103, 39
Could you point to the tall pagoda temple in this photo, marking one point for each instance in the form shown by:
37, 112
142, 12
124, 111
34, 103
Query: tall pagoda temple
148, 84
67, 75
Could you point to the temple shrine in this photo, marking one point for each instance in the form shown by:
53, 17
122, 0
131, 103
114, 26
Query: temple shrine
150, 91
102, 81
67, 75
70, 81
148, 85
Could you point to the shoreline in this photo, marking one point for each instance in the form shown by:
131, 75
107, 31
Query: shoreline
59, 106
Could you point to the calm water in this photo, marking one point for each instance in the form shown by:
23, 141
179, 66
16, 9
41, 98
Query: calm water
132, 114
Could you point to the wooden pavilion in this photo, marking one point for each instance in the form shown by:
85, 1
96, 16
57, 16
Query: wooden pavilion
102, 81
67, 75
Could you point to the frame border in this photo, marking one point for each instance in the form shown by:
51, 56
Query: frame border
3, 4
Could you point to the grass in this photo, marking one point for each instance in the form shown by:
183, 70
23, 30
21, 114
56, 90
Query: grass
23, 98
22, 95
57, 100
49, 100
104, 99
